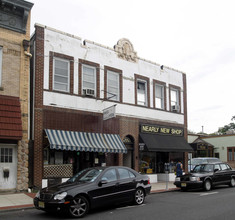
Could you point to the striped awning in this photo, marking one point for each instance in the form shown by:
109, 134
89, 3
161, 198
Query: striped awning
85, 141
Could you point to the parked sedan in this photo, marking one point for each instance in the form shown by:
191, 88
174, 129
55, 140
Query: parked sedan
207, 176
201, 160
94, 187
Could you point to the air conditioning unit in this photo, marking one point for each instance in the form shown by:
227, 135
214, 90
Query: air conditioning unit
89, 92
175, 108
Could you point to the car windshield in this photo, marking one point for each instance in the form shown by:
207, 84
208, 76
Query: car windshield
203, 168
87, 175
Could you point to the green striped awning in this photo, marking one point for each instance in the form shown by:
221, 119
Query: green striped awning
85, 141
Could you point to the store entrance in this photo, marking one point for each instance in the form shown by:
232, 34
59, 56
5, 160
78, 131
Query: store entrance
162, 158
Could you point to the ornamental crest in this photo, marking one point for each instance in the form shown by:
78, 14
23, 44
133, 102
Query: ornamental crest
125, 50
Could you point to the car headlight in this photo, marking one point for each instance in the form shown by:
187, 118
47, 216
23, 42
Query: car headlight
194, 178
60, 196
177, 179
37, 194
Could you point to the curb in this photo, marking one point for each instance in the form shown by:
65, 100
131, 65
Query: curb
164, 190
16, 208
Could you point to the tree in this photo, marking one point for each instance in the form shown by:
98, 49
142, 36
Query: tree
228, 128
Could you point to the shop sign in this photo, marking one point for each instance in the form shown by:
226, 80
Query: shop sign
202, 147
141, 146
127, 140
109, 112
156, 129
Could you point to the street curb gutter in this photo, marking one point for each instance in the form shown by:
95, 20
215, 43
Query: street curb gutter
16, 208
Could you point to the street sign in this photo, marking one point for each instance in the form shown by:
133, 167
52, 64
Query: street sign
109, 112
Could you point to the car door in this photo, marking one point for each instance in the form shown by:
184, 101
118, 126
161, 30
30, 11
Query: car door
126, 185
226, 173
217, 174
106, 193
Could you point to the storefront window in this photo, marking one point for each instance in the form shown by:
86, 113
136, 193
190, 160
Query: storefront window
147, 162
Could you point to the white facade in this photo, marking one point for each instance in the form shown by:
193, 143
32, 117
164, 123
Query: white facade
73, 46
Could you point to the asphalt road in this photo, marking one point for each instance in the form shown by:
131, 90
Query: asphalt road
193, 205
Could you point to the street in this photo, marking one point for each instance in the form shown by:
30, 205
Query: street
192, 205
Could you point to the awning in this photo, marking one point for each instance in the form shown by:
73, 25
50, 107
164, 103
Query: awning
10, 118
84, 141
165, 143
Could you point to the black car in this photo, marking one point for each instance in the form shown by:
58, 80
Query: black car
92, 188
207, 176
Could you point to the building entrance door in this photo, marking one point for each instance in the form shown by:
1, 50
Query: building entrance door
128, 160
8, 167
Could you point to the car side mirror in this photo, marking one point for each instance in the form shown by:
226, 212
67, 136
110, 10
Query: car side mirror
103, 181
215, 170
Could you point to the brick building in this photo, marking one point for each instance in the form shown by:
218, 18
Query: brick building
77, 84
14, 94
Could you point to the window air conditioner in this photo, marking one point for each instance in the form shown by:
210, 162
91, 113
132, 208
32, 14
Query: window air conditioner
89, 92
175, 108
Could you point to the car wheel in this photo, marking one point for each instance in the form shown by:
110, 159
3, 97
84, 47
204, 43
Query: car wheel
79, 207
207, 185
139, 196
232, 182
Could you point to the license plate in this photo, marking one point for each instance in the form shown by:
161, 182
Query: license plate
183, 184
41, 204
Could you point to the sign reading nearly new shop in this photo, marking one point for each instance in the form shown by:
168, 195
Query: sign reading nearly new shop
161, 130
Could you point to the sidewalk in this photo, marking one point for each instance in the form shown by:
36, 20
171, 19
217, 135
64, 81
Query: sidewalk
14, 201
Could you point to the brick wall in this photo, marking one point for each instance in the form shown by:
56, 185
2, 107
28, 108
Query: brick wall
38, 106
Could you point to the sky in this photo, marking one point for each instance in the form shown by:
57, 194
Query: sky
195, 37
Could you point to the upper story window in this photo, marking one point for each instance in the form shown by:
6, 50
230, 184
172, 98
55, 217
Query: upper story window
113, 87
142, 92
159, 96
61, 75
61, 71
175, 99
1, 66
88, 80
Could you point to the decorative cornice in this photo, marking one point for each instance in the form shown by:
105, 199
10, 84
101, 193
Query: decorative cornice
125, 50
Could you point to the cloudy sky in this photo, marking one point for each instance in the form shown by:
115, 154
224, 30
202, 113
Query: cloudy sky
196, 37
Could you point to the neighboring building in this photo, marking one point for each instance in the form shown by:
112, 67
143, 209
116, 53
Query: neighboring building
201, 148
224, 147
220, 146
14, 94
77, 84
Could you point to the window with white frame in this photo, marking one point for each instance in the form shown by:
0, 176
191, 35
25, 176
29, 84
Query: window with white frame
159, 96
6, 155
61, 75
175, 100
88, 80
1, 66
113, 86
142, 92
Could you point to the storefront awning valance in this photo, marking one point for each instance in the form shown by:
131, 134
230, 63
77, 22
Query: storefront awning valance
85, 141
165, 143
